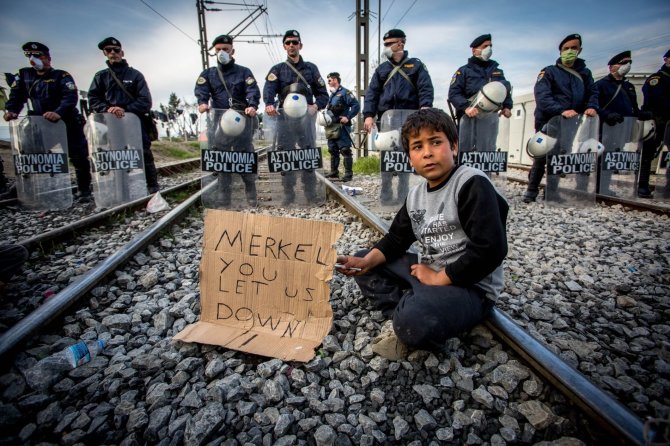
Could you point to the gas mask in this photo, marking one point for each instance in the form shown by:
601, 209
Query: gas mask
624, 69
223, 57
36, 63
568, 57
486, 53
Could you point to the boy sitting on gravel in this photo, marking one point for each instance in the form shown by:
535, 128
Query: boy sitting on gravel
458, 219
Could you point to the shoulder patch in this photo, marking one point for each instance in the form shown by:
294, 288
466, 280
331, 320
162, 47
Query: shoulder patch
321, 82
540, 76
271, 77
250, 80
201, 80
653, 81
71, 86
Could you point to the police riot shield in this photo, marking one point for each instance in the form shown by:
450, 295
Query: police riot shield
117, 161
571, 163
227, 155
293, 160
394, 162
477, 147
39, 151
620, 160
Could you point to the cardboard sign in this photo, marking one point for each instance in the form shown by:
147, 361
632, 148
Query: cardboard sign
264, 284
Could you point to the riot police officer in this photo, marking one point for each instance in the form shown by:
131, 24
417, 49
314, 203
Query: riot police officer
469, 79
656, 92
400, 82
294, 76
53, 95
344, 107
566, 89
229, 86
119, 89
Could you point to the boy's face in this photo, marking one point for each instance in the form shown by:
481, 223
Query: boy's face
432, 156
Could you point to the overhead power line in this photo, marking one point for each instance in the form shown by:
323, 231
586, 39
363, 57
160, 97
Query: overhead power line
166, 19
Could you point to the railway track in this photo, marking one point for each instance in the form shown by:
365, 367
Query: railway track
611, 415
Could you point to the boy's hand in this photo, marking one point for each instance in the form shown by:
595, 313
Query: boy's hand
428, 276
351, 265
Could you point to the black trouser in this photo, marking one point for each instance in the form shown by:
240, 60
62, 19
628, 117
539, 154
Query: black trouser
424, 316
649, 149
149, 165
78, 153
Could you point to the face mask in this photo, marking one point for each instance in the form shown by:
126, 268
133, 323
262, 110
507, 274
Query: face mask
36, 63
332, 90
568, 57
387, 52
623, 69
223, 57
486, 53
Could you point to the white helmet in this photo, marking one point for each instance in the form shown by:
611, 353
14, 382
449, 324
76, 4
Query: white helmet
295, 105
387, 140
591, 145
491, 97
324, 117
648, 129
540, 144
232, 123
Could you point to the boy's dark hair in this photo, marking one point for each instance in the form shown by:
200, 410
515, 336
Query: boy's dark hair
430, 118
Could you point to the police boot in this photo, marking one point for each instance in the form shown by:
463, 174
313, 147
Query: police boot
152, 178
334, 167
348, 169
251, 195
534, 178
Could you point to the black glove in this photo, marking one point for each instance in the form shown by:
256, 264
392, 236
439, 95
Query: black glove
613, 118
645, 116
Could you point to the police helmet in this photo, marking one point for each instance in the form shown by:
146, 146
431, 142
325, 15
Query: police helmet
324, 117
491, 97
540, 144
295, 105
648, 129
591, 145
232, 123
387, 140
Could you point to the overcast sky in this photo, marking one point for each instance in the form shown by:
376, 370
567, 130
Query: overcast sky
525, 35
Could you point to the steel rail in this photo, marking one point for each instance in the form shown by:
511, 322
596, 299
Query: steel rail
165, 169
68, 230
57, 304
609, 413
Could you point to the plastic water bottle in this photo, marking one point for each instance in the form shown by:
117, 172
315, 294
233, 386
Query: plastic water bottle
49, 370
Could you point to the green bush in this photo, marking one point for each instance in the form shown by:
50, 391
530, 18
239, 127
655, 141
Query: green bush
178, 153
367, 165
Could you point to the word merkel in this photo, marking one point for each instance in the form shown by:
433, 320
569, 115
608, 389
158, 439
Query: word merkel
257, 245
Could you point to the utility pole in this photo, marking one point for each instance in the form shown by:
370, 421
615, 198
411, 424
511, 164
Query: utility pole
362, 65
202, 27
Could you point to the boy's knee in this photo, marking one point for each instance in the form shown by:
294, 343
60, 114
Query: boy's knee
414, 327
